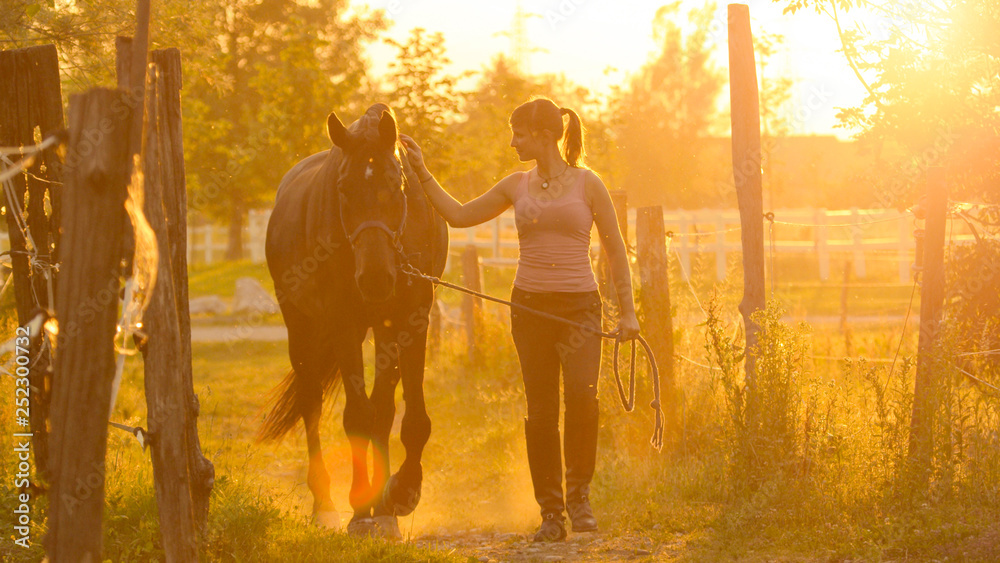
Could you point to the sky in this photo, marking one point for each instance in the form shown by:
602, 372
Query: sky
596, 43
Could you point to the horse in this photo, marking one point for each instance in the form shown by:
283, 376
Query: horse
346, 222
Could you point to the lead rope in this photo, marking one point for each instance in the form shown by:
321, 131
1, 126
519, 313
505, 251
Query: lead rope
628, 402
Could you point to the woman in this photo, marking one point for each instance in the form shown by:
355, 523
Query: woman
555, 205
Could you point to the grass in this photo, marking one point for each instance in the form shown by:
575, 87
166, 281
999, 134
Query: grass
219, 278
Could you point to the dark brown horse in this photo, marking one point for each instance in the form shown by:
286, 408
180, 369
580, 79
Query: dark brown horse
343, 223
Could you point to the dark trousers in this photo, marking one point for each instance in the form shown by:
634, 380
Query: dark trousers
543, 347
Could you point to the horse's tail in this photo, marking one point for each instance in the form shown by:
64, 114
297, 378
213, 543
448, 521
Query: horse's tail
286, 403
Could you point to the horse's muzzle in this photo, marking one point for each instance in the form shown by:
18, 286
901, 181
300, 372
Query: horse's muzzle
376, 286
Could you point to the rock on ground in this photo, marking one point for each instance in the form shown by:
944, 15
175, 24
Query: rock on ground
251, 297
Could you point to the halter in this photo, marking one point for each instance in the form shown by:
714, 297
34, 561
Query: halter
394, 236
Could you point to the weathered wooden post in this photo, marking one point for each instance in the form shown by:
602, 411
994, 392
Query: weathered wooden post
31, 98
166, 399
654, 293
471, 305
931, 301
200, 469
96, 172
745, 118
171, 169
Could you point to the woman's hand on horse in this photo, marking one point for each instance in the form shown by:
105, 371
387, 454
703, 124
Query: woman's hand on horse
628, 327
414, 154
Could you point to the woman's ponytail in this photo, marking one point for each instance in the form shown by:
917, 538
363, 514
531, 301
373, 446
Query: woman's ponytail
540, 114
573, 139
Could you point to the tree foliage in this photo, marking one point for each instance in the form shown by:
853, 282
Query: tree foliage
929, 69
481, 135
666, 109
260, 76
260, 104
426, 99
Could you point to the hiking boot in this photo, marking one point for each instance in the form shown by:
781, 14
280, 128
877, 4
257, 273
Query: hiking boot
581, 515
552, 529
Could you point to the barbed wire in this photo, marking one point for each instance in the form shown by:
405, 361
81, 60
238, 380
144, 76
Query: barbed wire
690, 361
700, 234
837, 225
977, 380
136, 298
140, 433
31, 150
982, 353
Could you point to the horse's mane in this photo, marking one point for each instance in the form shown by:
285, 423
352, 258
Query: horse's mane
366, 126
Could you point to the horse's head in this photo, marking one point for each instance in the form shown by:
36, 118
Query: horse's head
372, 202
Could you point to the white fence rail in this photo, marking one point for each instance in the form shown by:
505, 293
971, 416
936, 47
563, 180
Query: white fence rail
863, 234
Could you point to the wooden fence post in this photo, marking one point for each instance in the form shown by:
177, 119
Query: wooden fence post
931, 302
32, 98
200, 469
471, 305
166, 397
654, 293
87, 308
745, 118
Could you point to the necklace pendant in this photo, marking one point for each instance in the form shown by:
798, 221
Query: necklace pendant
545, 185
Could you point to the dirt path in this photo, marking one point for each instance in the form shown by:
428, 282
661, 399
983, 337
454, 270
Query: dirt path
517, 548
234, 332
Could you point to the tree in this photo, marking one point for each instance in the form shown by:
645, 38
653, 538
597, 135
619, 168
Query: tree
932, 98
481, 137
774, 118
261, 104
929, 70
425, 99
666, 110
260, 76
85, 34
477, 140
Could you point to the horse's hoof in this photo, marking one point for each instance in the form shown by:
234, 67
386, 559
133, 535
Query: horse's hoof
361, 527
399, 500
388, 527
327, 519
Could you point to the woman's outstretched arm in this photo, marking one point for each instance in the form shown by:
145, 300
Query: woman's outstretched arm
485, 207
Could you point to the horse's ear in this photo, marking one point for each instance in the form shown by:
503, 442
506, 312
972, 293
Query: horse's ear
338, 133
387, 131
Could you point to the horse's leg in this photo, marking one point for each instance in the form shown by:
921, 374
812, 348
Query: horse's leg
402, 492
309, 363
384, 398
359, 419
324, 513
